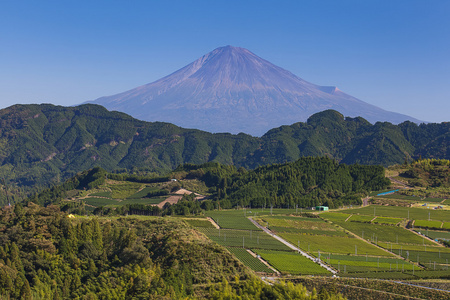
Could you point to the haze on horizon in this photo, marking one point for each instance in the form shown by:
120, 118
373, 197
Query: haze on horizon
390, 54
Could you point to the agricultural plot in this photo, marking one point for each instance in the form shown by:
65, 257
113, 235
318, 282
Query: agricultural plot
232, 219
427, 224
361, 218
383, 233
401, 197
292, 263
145, 201
97, 202
243, 238
411, 213
249, 260
300, 225
446, 225
431, 260
439, 235
105, 194
352, 263
387, 221
423, 254
123, 190
294, 222
142, 193
433, 200
332, 244
335, 216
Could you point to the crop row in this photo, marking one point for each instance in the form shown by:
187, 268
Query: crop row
383, 233
291, 262
411, 213
234, 219
427, 224
249, 260
332, 244
243, 238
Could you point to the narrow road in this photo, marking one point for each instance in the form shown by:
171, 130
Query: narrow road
293, 247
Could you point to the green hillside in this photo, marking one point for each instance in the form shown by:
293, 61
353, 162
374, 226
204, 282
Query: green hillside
307, 182
42, 145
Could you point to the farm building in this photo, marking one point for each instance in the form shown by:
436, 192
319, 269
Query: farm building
321, 208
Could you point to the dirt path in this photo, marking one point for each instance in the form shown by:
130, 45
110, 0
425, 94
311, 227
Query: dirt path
213, 222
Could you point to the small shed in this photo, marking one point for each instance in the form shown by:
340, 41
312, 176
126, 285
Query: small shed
321, 208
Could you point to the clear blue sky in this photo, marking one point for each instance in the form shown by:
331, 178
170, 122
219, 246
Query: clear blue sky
394, 54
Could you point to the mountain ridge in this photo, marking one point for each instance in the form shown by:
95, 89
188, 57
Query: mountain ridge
230, 89
41, 145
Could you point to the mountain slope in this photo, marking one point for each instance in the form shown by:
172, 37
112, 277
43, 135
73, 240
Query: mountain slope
41, 145
232, 90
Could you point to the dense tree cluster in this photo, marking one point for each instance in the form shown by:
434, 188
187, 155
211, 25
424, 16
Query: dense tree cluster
428, 173
307, 182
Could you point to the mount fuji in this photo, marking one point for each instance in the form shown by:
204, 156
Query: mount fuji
233, 90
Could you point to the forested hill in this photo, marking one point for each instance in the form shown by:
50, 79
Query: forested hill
46, 255
41, 145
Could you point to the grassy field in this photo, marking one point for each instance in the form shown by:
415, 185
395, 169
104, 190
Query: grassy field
291, 262
249, 260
